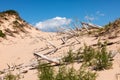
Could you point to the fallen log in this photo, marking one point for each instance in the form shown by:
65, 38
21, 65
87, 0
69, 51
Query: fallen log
53, 60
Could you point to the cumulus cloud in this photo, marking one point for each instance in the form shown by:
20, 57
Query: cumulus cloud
89, 18
53, 24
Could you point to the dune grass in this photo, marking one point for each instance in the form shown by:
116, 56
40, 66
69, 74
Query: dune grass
46, 72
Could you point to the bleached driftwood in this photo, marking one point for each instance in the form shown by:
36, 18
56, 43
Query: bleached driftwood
53, 60
63, 40
90, 25
21, 68
51, 52
85, 26
51, 44
77, 40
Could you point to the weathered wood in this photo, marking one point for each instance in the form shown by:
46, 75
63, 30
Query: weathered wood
53, 60
108, 44
51, 52
63, 40
83, 25
21, 68
51, 44
77, 40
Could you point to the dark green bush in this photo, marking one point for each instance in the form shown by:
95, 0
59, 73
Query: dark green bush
46, 72
103, 59
88, 55
61, 75
11, 12
98, 58
11, 77
86, 74
70, 57
2, 34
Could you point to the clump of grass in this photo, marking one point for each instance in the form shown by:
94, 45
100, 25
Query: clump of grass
46, 72
11, 12
66, 74
88, 55
103, 58
70, 57
61, 75
98, 58
10, 76
2, 34
86, 74
18, 27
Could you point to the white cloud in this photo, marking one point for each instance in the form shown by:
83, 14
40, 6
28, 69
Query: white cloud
89, 18
99, 13
94, 16
53, 24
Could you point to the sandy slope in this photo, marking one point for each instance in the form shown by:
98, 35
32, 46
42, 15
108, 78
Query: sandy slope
20, 49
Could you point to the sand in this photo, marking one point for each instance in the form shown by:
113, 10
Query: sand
20, 49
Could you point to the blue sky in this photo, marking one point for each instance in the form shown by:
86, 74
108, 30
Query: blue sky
42, 12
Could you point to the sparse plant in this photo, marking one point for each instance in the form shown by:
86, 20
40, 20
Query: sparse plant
11, 12
70, 57
64, 73
98, 58
18, 27
2, 34
10, 76
45, 72
88, 55
103, 58
72, 74
61, 75
9, 32
86, 74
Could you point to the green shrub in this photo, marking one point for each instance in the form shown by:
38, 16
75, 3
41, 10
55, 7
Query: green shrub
10, 76
86, 74
61, 75
98, 58
45, 72
66, 74
11, 12
70, 57
103, 59
88, 55
2, 34
72, 74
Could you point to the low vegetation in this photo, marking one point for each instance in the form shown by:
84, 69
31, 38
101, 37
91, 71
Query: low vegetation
98, 58
70, 57
2, 34
10, 12
111, 29
103, 58
91, 59
10, 76
46, 72
18, 27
